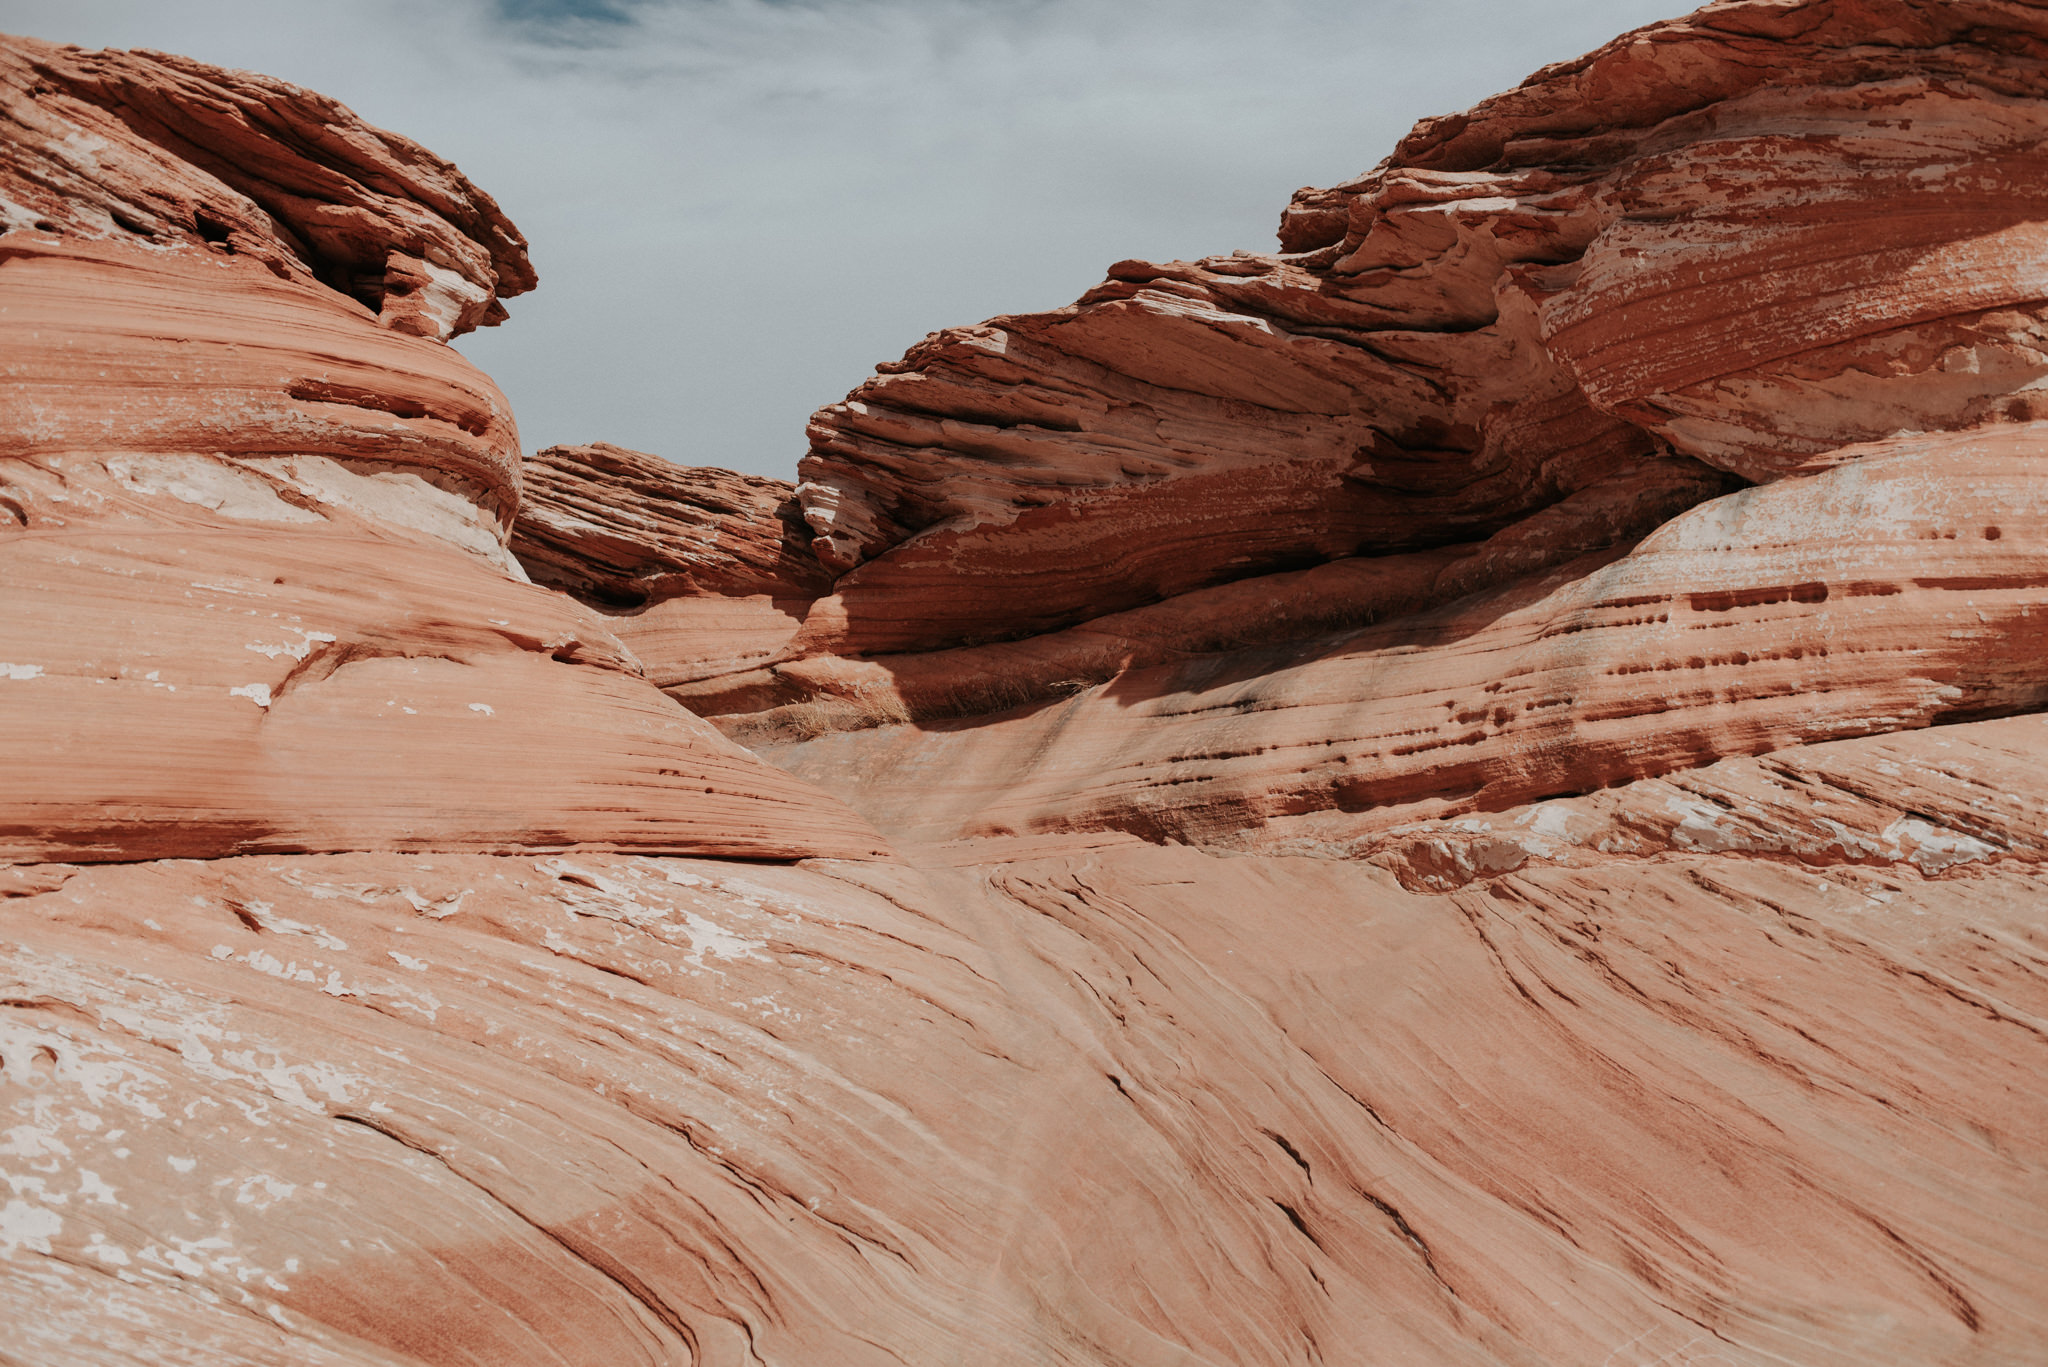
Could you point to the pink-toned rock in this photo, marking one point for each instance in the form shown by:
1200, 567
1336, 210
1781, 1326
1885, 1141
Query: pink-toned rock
809, 693
1617, 939
1906, 586
1754, 237
160, 150
1938, 799
256, 592
1122, 1105
703, 572
221, 689
283, 372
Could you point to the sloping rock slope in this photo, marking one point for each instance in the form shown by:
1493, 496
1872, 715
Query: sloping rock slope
1465, 793
253, 509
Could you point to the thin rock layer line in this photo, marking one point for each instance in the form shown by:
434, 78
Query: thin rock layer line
1566, 629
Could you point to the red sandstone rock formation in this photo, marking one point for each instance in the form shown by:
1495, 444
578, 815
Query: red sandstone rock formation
1576, 594
256, 591
1120, 1105
1753, 237
1772, 239
150, 148
703, 572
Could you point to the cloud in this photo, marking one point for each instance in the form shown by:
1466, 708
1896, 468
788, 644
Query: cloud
737, 207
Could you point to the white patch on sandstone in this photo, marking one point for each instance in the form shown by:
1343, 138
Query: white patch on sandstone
1935, 849
298, 649
215, 485
1703, 826
90, 1185
8, 671
261, 1191
28, 1226
708, 937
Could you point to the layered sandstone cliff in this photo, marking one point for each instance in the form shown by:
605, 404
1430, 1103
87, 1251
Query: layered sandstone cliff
1275, 548
253, 510
1467, 792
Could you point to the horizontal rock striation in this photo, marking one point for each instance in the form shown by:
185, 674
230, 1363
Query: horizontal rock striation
1752, 236
1931, 801
1760, 244
704, 572
829, 692
1462, 794
256, 368
623, 528
1904, 587
252, 519
155, 149
209, 690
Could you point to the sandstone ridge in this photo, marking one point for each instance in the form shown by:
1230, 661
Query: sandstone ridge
1360, 525
257, 594
1465, 793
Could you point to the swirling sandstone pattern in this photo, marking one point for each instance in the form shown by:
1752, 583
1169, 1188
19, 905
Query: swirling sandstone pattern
1775, 240
1903, 587
1128, 1105
252, 535
1468, 793
1754, 236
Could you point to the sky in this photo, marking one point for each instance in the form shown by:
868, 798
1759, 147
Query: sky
738, 207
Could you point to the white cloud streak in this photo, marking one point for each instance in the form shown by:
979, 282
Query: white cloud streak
738, 206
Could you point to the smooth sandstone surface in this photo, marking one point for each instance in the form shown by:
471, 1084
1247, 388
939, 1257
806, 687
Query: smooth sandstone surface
1129, 1104
1467, 793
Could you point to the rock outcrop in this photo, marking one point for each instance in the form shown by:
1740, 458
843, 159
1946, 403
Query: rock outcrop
256, 592
1464, 793
1795, 246
151, 149
1907, 586
1752, 237
705, 573
1023, 1106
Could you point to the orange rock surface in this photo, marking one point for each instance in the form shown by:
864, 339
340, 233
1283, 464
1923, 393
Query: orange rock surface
256, 592
1467, 793
703, 572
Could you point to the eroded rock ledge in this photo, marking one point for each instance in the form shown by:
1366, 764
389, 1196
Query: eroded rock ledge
1676, 405
254, 589
1554, 627
152, 148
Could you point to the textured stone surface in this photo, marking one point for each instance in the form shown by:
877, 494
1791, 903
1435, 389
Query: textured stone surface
1906, 586
1756, 234
704, 572
253, 587
217, 689
1938, 799
1573, 625
155, 149
1128, 1105
821, 692
254, 367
